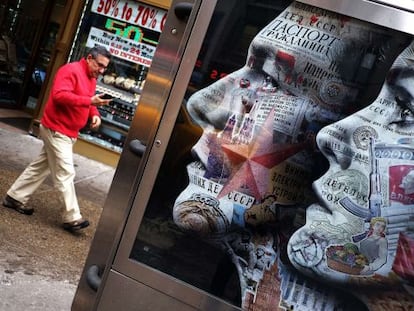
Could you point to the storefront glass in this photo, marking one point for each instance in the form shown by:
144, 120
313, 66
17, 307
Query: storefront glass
130, 31
28, 34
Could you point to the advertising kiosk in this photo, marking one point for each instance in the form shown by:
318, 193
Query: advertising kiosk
268, 164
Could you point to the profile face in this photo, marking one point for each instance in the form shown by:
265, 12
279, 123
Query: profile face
407, 183
371, 156
304, 70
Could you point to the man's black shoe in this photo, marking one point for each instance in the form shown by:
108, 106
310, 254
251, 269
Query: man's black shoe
16, 205
76, 225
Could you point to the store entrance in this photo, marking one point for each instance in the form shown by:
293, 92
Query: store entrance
28, 32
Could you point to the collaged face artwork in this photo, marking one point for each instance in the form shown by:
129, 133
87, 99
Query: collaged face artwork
257, 157
362, 230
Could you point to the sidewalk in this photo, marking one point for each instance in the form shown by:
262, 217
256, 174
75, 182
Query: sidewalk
40, 263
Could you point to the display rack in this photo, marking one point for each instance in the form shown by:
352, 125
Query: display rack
117, 116
130, 31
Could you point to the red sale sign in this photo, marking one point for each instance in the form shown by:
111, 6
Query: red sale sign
136, 13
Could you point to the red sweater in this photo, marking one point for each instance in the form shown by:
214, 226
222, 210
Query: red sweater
69, 107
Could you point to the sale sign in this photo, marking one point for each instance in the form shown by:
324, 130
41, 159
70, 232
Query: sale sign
124, 48
132, 12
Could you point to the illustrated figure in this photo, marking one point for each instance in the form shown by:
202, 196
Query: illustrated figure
374, 247
407, 183
257, 156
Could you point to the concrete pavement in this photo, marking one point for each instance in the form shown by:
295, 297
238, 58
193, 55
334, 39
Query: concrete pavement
40, 263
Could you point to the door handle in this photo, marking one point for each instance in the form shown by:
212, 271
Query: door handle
183, 10
137, 147
93, 278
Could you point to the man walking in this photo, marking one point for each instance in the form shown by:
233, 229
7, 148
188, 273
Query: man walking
72, 102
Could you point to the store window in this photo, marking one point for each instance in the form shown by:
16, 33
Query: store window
28, 32
130, 31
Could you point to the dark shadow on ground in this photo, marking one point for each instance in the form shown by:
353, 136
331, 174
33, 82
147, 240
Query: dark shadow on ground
20, 123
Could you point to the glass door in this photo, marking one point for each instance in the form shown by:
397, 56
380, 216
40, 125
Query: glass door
130, 32
28, 35
222, 154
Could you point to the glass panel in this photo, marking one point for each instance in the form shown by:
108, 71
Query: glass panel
238, 171
42, 57
28, 35
130, 31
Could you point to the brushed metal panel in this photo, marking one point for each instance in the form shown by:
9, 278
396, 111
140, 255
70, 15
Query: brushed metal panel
407, 5
124, 294
398, 15
121, 194
168, 285
173, 288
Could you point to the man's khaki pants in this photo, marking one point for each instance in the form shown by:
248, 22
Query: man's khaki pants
55, 158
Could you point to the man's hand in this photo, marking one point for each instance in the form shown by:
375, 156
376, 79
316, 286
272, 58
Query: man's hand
97, 100
96, 122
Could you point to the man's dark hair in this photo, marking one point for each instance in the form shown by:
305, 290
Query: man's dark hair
99, 50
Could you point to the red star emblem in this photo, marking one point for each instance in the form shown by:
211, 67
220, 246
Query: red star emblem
250, 163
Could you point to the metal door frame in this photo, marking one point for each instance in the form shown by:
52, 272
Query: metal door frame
153, 278
166, 83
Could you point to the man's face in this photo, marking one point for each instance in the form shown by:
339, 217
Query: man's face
378, 228
258, 138
407, 183
363, 181
97, 65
